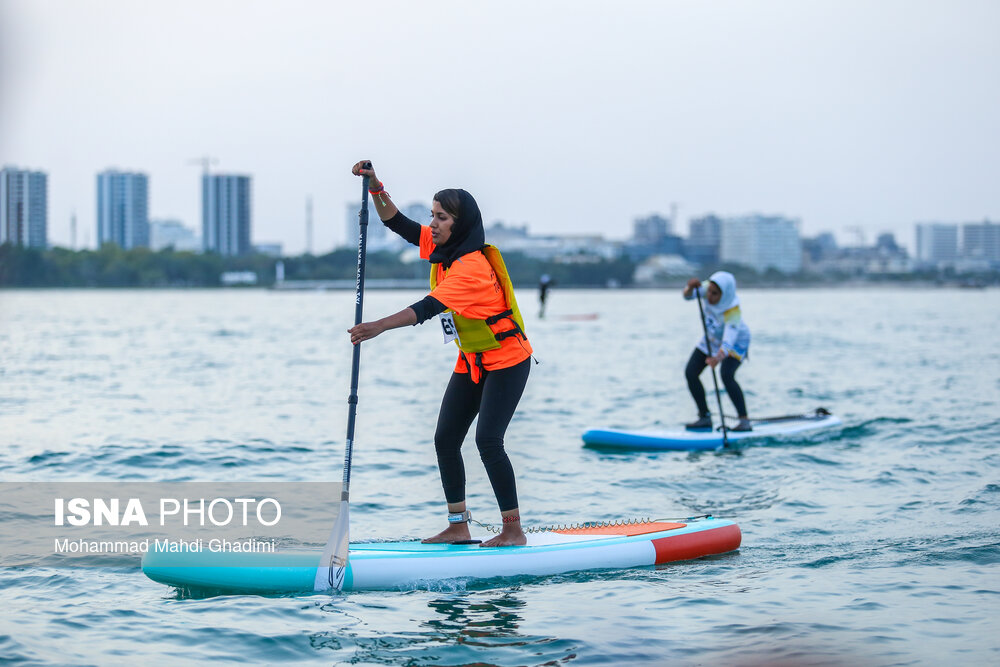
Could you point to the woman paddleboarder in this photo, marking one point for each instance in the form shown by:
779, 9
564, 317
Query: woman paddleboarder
474, 298
727, 344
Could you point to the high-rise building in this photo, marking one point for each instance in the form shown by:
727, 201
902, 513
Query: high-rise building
225, 214
651, 236
652, 229
24, 207
702, 245
937, 242
123, 208
981, 240
762, 243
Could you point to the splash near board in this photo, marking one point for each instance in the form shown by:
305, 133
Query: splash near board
681, 439
405, 565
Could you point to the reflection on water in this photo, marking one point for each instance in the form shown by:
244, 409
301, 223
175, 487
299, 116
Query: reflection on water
462, 629
495, 618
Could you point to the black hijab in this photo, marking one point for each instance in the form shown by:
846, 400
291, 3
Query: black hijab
467, 234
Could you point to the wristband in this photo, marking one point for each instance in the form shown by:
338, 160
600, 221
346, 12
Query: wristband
378, 192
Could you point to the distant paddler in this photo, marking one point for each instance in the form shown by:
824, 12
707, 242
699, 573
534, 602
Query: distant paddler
726, 344
472, 295
545, 283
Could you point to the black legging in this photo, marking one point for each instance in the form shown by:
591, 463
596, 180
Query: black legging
494, 399
696, 364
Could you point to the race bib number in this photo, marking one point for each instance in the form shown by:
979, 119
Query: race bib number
448, 327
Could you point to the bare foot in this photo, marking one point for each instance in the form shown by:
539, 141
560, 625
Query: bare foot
455, 532
508, 537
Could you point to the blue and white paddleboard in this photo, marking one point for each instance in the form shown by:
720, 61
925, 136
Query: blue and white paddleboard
402, 565
682, 439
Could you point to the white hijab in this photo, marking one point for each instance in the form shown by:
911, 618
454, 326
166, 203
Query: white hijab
727, 284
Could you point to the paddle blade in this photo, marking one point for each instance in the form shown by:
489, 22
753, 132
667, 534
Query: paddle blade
333, 564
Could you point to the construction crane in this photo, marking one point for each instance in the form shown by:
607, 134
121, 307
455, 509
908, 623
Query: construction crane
206, 161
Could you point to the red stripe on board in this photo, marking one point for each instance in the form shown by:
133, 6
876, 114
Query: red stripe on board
694, 545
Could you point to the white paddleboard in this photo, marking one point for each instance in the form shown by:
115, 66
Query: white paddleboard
404, 565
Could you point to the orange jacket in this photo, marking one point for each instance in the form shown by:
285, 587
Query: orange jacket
471, 289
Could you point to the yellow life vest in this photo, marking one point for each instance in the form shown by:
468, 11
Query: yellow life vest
475, 336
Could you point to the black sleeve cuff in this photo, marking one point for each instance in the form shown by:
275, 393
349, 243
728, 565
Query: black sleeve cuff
427, 308
408, 229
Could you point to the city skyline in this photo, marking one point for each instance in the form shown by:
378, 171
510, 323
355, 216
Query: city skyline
227, 211
845, 115
762, 244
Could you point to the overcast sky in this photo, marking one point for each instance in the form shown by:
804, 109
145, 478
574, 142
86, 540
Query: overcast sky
572, 117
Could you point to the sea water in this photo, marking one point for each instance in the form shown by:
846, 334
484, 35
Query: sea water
874, 543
